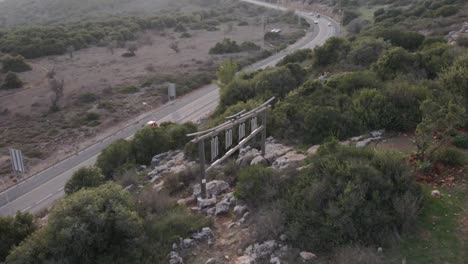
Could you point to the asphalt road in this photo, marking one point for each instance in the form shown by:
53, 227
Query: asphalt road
42, 189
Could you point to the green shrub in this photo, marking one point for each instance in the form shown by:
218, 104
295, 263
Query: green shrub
185, 35
87, 98
409, 40
333, 51
393, 62
249, 46
462, 41
13, 230
296, 57
446, 11
461, 141
348, 195
225, 46
128, 89
349, 82
86, 177
449, 156
257, 185
114, 156
14, 64
12, 81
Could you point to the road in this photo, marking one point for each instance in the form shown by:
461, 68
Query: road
42, 189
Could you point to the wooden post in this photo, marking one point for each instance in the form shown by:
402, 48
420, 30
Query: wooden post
201, 148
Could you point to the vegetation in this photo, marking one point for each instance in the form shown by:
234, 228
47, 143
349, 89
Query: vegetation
145, 144
11, 81
86, 177
230, 46
14, 64
13, 230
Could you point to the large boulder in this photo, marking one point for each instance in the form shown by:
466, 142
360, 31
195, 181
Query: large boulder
256, 252
246, 155
204, 234
259, 160
213, 188
312, 150
203, 203
273, 150
289, 159
174, 258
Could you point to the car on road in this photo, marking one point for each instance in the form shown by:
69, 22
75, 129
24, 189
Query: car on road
329, 24
152, 124
315, 21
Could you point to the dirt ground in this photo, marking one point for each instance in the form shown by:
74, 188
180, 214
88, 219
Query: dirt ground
46, 137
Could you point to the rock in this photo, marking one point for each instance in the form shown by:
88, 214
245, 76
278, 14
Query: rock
239, 210
210, 261
307, 256
275, 260
174, 246
186, 201
259, 160
244, 260
365, 142
246, 155
356, 139
380, 250
141, 168
287, 160
213, 188
203, 203
274, 150
174, 258
210, 211
377, 133
204, 234
283, 237
158, 187
222, 207
436, 194
187, 243
156, 160
312, 150
265, 249
244, 218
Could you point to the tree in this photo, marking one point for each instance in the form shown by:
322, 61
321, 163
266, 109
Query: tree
226, 72
350, 195
85, 177
148, 142
57, 88
13, 230
394, 61
12, 81
97, 225
14, 64
113, 156
437, 123
455, 80
334, 50
366, 51
70, 50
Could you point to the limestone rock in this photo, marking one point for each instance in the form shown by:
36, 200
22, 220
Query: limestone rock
259, 160
312, 150
287, 160
307, 256
213, 188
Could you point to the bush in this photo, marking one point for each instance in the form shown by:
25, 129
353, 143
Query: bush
128, 89
113, 156
257, 185
148, 142
462, 41
347, 195
356, 255
332, 52
87, 98
13, 230
225, 46
393, 62
185, 35
15, 64
409, 40
249, 46
366, 51
350, 82
449, 156
296, 57
87, 177
461, 141
12, 81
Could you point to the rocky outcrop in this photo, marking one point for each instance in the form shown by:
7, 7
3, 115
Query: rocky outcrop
213, 188
289, 159
307, 256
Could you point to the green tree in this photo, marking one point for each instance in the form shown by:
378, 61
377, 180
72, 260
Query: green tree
148, 142
13, 230
14, 64
350, 195
86, 177
394, 61
334, 50
366, 51
226, 72
113, 156
455, 80
12, 81
97, 225
437, 123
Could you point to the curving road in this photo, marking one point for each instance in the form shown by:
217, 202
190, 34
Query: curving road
42, 189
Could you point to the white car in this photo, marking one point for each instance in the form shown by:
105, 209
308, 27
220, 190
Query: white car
329, 24
315, 22
152, 124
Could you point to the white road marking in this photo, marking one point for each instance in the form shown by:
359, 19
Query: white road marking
45, 198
